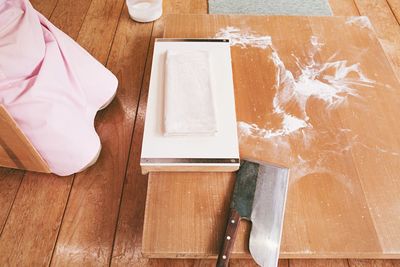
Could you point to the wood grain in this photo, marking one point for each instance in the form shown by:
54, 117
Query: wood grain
251, 263
10, 181
98, 29
16, 151
341, 181
46, 7
386, 28
382, 206
127, 247
374, 263
395, 7
197, 206
32, 226
343, 8
229, 238
68, 17
318, 263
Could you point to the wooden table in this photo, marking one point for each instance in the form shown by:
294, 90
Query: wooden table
342, 145
96, 217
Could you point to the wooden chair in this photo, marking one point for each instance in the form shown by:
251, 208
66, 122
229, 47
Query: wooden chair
16, 151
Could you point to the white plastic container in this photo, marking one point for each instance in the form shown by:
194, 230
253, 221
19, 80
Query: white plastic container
144, 10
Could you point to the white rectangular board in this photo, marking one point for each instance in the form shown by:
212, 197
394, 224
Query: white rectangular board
219, 152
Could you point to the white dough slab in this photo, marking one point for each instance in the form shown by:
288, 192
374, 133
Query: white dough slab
218, 152
188, 99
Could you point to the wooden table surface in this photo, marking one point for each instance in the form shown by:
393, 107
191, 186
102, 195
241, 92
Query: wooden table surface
95, 218
315, 94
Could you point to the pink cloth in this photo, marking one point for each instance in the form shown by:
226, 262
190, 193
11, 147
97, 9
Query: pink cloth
51, 86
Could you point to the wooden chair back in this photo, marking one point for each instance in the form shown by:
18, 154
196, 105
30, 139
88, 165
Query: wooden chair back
16, 151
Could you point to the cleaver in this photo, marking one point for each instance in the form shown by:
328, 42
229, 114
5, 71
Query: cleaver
259, 196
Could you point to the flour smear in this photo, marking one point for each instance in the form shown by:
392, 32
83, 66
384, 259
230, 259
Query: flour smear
331, 82
360, 21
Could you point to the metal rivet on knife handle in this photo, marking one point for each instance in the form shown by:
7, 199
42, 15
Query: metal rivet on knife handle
229, 238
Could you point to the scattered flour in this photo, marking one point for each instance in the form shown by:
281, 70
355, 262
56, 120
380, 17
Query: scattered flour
290, 124
361, 21
313, 81
332, 82
314, 40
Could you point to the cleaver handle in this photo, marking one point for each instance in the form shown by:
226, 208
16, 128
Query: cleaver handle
229, 238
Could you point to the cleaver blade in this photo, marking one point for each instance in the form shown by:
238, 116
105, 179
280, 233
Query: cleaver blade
259, 196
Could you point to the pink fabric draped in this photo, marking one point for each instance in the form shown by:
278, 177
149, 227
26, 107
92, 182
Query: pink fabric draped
51, 87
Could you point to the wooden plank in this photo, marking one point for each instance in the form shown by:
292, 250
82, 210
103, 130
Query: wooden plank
46, 7
395, 7
318, 263
348, 8
374, 263
251, 263
92, 211
197, 206
382, 206
386, 27
343, 8
10, 181
363, 222
16, 150
69, 18
99, 27
31, 229
126, 249
330, 188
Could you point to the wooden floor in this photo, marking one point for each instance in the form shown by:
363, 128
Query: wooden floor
95, 218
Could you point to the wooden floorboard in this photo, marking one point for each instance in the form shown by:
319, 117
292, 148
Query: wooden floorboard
374, 263
46, 7
102, 205
125, 250
98, 29
30, 232
10, 180
386, 27
68, 17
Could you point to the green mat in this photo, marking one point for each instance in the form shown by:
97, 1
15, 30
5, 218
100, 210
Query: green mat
271, 7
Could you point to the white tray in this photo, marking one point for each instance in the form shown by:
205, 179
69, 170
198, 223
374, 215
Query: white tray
192, 153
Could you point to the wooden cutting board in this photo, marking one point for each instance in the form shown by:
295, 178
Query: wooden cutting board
318, 95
